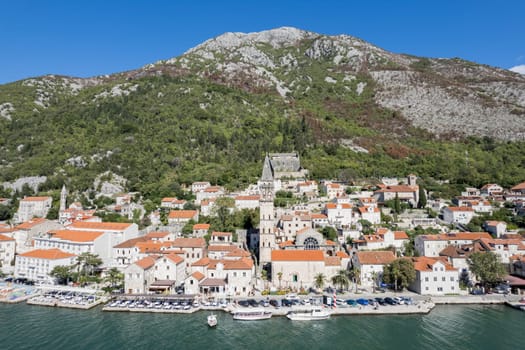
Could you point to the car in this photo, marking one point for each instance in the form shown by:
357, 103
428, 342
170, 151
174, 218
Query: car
476, 292
274, 303
502, 289
390, 301
399, 300
408, 300
351, 302
243, 303
362, 301
252, 303
380, 301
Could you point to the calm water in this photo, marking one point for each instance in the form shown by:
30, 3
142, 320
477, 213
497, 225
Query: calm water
446, 327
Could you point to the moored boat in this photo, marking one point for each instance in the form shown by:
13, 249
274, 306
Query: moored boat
212, 320
308, 314
251, 314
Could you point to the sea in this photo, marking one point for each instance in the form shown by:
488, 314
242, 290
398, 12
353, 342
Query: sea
479, 327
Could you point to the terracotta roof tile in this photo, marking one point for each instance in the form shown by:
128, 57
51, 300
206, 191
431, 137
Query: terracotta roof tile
48, 254
147, 262
182, 214
197, 275
102, 226
297, 255
424, 263
189, 243
375, 257
6, 238
332, 261
30, 224
76, 236
35, 199
201, 226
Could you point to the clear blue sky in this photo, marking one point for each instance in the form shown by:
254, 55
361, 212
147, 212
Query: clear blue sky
92, 37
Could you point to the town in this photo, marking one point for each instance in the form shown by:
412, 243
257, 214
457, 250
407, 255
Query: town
297, 237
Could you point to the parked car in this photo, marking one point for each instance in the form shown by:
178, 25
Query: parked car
502, 289
390, 301
408, 300
399, 300
380, 301
362, 301
242, 303
476, 291
351, 302
274, 303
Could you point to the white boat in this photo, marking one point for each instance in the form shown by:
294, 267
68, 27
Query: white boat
212, 320
251, 314
308, 314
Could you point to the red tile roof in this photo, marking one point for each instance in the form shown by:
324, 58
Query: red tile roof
201, 226
147, 262
424, 263
48, 254
102, 226
76, 236
197, 275
375, 258
6, 238
30, 224
182, 214
189, 243
36, 199
297, 255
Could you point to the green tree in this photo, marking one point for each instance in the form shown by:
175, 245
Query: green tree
329, 233
355, 275
422, 203
52, 214
63, 274
400, 273
487, 267
5, 212
397, 204
87, 263
115, 280
319, 281
341, 279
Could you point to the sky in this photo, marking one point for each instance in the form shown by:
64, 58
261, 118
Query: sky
86, 38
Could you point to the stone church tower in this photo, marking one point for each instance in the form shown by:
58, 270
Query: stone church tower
63, 197
266, 223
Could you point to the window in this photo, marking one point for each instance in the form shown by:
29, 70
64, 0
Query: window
235, 274
435, 279
444, 279
440, 289
244, 274
426, 279
426, 288
452, 279
311, 243
294, 278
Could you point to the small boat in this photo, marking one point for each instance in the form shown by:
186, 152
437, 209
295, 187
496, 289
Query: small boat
252, 314
308, 314
212, 320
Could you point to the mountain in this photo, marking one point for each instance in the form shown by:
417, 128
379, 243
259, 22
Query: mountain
351, 109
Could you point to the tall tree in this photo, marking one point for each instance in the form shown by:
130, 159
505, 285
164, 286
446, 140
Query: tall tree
319, 280
400, 273
341, 279
487, 267
397, 204
422, 202
62, 273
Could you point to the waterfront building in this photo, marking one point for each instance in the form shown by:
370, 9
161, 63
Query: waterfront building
370, 265
7, 252
154, 273
194, 249
36, 265
434, 276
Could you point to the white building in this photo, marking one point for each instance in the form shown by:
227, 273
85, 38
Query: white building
199, 186
461, 215
209, 193
182, 216
371, 214
339, 214
383, 238
78, 242
371, 264
291, 224
25, 233
491, 189
172, 203
31, 207
154, 273
7, 252
432, 245
496, 228
36, 265
333, 190
434, 276
116, 233
246, 202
